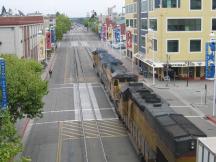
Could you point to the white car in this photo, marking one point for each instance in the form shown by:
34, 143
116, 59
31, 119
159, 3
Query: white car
119, 45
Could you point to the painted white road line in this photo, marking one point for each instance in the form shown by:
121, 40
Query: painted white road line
180, 106
59, 88
57, 121
94, 102
62, 111
193, 116
76, 102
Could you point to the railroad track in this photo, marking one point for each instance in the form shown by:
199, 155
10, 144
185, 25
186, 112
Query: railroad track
82, 129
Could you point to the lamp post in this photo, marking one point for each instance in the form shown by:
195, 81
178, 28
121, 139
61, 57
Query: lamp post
212, 40
153, 57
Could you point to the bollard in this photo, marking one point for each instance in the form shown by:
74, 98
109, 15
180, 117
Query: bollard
205, 93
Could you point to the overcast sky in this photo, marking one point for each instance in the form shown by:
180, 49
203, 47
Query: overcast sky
72, 8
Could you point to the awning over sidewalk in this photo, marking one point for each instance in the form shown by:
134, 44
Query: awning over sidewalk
173, 64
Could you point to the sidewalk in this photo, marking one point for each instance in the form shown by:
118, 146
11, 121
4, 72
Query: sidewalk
194, 93
22, 124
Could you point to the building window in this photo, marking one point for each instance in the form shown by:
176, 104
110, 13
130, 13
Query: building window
154, 44
135, 23
195, 45
184, 25
144, 6
214, 24
144, 24
172, 45
170, 3
156, 3
213, 4
151, 5
135, 39
195, 4
153, 24
143, 41
131, 23
127, 22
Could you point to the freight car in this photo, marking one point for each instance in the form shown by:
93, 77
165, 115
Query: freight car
111, 73
158, 133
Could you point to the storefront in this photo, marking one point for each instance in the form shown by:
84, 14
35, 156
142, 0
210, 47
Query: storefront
177, 70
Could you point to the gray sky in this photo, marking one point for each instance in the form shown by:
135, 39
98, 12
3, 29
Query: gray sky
72, 8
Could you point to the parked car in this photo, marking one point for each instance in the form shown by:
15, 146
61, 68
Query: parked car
119, 45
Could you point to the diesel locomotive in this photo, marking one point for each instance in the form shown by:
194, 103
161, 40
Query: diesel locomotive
158, 133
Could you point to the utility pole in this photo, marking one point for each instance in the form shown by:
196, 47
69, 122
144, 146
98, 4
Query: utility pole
187, 72
167, 70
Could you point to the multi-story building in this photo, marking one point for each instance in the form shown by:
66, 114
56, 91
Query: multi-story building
19, 36
131, 27
174, 32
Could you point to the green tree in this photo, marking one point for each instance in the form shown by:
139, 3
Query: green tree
10, 144
25, 88
63, 24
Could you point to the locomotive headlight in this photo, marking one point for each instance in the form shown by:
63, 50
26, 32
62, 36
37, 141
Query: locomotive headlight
192, 145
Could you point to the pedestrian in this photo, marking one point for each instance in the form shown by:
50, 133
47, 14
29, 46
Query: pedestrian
50, 73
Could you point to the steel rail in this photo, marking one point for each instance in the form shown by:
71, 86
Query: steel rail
93, 110
81, 111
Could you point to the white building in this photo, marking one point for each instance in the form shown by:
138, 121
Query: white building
18, 36
206, 149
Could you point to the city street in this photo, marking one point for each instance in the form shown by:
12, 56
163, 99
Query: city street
79, 123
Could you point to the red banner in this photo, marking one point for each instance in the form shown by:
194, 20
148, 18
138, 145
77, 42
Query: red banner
129, 39
48, 40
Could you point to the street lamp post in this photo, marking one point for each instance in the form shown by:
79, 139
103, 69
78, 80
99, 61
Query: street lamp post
153, 57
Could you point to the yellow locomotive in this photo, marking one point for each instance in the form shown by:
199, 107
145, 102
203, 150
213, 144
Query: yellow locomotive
157, 132
111, 73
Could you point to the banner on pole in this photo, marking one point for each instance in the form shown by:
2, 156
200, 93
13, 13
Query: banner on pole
48, 40
210, 60
3, 85
129, 39
117, 32
41, 47
104, 32
110, 33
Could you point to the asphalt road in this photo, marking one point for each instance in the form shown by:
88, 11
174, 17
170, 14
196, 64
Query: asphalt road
69, 131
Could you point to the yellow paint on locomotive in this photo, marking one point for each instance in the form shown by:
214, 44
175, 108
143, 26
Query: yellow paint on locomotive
131, 112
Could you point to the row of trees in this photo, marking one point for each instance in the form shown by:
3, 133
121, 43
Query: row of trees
63, 24
25, 90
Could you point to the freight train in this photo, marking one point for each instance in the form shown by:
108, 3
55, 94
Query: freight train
158, 133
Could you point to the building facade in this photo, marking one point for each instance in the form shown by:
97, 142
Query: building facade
131, 8
19, 36
174, 33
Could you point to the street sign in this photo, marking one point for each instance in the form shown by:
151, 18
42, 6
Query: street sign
3, 85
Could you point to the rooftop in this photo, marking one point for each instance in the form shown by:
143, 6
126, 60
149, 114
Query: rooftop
20, 20
210, 143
